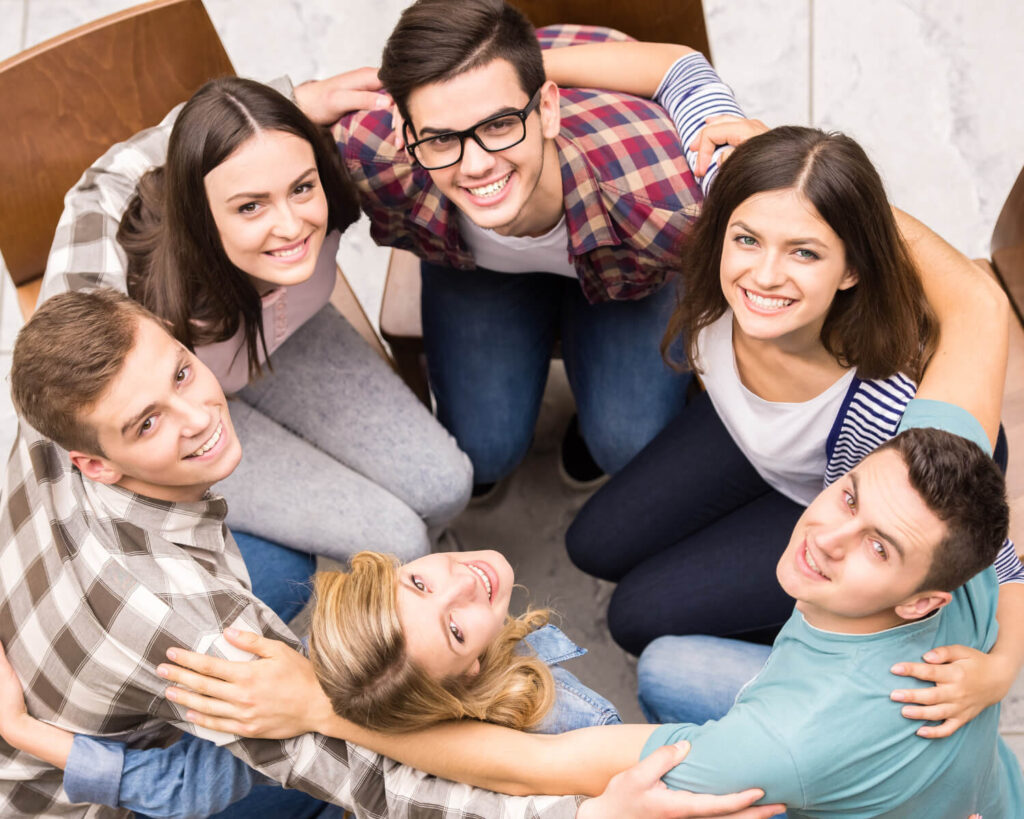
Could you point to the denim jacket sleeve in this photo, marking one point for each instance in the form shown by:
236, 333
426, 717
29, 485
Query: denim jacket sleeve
192, 778
576, 705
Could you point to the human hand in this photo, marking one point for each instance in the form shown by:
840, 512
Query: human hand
13, 713
722, 129
966, 682
275, 696
639, 792
326, 101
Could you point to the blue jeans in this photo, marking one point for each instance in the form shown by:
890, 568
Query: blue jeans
488, 338
695, 678
279, 575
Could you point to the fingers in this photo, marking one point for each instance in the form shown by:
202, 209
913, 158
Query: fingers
210, 686
659, 763
949, 654
932, 713
947, 728
921, 696
702, 804
228, 726
249, 641
206, 705
927, 671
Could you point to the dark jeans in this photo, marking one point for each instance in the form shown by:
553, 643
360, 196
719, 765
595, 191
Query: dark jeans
488, 338
280, 576
691, 534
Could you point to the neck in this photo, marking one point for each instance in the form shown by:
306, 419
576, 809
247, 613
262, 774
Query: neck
840, 624
171, 494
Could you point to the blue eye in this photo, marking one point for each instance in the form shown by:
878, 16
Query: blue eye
746, 241
804, 253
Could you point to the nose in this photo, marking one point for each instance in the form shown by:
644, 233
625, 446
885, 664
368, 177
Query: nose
288, 224
462, 584
195, 418
475, 160
834, 539
767, 272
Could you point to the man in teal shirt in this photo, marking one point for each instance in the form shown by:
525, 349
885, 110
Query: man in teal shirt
873, 563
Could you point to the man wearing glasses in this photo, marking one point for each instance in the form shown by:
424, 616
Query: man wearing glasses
539, 214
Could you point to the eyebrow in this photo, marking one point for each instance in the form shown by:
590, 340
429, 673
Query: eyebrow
883, 535
508, 109
266, 194
406, 580
181, 358
808, 240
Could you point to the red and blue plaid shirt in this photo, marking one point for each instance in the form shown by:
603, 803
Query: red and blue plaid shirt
629, 195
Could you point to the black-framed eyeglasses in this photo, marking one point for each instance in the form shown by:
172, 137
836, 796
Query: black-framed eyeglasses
492, 134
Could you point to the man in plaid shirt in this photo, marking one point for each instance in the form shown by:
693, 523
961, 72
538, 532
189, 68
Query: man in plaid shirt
112, 550
538, 212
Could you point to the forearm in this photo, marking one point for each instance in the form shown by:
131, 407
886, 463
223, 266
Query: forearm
1009, 646
973, 315
40, 739
508, 761
600, 65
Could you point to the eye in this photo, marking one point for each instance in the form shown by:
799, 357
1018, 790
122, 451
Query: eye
501, 126
248, 207
850, 500
147, 425
456, 632
419, 584
745, 241
183, 374
304, 187
809, 255
878, 549
444, 141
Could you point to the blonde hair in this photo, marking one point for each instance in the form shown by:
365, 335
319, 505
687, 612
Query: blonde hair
359, 656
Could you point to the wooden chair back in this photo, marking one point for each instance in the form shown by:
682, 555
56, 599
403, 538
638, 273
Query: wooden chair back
657, 21
1007, 248
66, 101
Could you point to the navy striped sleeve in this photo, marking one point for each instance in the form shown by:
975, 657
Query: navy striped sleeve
691, 92
1008, 566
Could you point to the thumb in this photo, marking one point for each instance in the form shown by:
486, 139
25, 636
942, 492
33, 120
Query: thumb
250, 641
662, 761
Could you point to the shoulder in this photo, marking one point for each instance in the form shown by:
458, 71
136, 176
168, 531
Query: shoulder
565, 34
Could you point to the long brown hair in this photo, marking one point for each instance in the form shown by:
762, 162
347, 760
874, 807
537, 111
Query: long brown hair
177, 267
880, 326
359, 656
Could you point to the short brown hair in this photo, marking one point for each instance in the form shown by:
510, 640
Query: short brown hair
965, 489
65, 358
360, 658
436, 40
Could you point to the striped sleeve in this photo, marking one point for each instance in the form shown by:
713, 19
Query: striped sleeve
1008, 566
691, 92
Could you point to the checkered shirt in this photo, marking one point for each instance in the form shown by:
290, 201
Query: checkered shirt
629, 195
97, 582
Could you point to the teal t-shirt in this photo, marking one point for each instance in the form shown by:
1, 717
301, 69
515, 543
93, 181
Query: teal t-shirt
816, 728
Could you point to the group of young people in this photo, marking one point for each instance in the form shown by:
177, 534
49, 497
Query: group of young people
835, 452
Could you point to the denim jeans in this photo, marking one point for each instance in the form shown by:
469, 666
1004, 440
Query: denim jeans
695, 678
488, 338
280, 576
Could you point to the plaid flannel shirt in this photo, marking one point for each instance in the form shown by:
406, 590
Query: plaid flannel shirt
630, 197
97, 582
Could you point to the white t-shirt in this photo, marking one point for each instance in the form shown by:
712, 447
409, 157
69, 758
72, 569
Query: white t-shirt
519, 254
785, 442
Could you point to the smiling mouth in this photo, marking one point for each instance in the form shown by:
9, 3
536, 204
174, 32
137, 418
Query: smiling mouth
766, 303
809, 560
289, 252
210, 443
491, 189
483, 577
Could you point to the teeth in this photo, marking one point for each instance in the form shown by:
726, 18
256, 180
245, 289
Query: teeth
210, 444
493, 188
768, 304
285, 254
810, 562
483, 576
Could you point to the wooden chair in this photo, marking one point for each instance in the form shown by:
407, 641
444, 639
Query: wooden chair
679, 21
1007, 248
66, 101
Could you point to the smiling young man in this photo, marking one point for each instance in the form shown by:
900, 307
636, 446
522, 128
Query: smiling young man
113, 549
539, 213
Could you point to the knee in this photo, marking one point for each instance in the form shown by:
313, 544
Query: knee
447, 491
495, 450
615, 438
589, 545
629, 620
657, 678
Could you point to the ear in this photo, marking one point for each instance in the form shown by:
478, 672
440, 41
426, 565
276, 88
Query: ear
849, 279
550, 110
474, 669
95, 468
922, 604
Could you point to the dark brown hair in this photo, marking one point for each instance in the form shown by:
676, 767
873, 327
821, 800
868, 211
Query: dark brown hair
436, 40
176, 263
965, 489
880, 326
65, 358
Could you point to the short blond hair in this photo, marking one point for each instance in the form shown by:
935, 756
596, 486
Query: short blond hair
360, 657
65, 357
